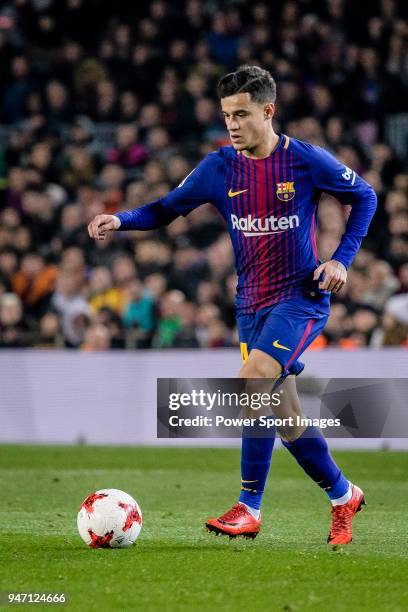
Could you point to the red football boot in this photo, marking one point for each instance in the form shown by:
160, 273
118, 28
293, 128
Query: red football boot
341, 531
236, 522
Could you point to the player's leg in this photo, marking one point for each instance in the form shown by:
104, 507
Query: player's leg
256, 451
299, 323
307, 445
312, 453
260, 370
257, 444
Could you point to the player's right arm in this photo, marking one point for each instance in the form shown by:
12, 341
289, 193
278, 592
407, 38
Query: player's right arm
196, 189
149, 216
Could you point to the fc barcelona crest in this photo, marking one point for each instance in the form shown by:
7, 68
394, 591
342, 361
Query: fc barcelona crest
285, 191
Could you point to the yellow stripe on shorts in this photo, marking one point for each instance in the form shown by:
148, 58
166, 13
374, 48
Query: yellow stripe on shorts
244, 351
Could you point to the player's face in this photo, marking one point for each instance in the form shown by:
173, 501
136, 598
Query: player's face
247, 122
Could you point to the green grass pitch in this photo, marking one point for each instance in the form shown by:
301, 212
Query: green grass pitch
175, 564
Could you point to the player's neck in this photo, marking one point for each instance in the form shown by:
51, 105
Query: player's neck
265, 148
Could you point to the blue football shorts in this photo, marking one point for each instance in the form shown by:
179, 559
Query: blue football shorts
284, 330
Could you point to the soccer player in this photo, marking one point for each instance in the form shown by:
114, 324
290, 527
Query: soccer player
267, 187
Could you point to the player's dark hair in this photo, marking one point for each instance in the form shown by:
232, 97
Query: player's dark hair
256, 81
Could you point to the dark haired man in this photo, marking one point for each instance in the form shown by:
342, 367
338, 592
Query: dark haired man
267, 187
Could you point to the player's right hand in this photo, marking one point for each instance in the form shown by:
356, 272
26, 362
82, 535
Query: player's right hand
101, 225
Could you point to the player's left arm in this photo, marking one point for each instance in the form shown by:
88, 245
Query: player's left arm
333, 177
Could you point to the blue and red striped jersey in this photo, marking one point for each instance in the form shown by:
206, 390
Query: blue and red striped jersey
270, 207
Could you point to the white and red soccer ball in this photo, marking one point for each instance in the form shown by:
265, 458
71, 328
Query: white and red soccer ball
109, 518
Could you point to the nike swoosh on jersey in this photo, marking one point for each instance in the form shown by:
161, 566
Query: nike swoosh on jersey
235, 193
277, 345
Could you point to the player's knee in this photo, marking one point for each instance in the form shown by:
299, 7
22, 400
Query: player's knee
258, 368
250, 370
291, 433
247, 371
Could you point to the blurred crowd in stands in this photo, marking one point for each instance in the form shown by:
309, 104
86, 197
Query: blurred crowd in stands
105, 106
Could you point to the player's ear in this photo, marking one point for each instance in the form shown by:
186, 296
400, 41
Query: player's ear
269, 110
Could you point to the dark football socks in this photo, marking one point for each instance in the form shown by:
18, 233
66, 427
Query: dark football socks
255, 461
312, 453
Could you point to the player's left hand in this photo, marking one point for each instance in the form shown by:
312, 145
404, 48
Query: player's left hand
335, 275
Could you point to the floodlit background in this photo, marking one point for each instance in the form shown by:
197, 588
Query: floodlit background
105, 113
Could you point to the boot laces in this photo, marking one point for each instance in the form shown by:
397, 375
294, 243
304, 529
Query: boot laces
235, 512
341, 520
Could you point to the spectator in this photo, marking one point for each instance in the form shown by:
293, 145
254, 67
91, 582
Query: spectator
393, 332
58, 107
223, 42
102, 292
139, 309
17, 92
170, 319
14, 332
34, 283
50, 333
8, 265
78, 168
72, 307
186, 336
206, 321
381, 284
72, 226
128, 152
113, 323
97, 338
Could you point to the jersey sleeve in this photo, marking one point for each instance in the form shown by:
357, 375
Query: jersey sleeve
333, 177
147, 217
196, 189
